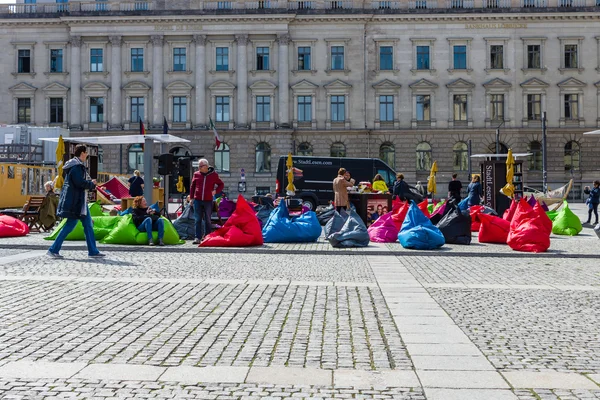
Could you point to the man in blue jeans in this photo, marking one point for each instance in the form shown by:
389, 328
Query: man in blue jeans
73, 204
205, 182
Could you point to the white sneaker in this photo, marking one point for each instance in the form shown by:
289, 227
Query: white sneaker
53, 255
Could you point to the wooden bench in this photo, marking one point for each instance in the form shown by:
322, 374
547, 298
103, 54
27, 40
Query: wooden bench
30, 213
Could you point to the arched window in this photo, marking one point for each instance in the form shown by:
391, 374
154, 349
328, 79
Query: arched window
387, 153
461, 156
338, 149
305, 149
423, 156
535, 160
135, 156
263, 157
492, 148
572, 156
222, 158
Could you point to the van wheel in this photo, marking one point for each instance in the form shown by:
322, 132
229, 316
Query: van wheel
310, 203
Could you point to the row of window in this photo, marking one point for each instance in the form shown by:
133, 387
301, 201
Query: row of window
387, 153
263, 112
423, 58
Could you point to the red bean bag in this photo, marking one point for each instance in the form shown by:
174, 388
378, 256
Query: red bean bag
12, 227
241, 229
510, 212
493, 229
474, 211
528, 230
423, 206
399, 214
539, 210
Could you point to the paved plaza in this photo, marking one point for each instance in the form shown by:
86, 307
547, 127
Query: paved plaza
478, 322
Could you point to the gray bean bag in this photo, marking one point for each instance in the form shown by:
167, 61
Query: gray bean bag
597, 230
185, 224
346, 230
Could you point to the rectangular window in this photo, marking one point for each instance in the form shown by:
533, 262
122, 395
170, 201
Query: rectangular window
534, 56
262, 58
222, 58
96, 109
24, 61
222, 108
304, 58
338, 108
101, 5
179, 59
62, 6
337, 57
263, 108
497, 57
570, 56
460, 107
386, 108
56, 110
23, 110
571, 106
137, 109
423, 57
386, 58
497, 107
179, 109
56, 60
460, 57
224, 5
304, 108
423, 108
534, 107
137, 60
96, 60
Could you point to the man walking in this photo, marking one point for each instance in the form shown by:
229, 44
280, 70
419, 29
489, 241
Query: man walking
73, 204
454, 188
204, 182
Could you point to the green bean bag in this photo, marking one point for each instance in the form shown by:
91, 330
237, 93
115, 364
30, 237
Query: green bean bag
566, 222
552, 214
125, 232
95, 209
102, 227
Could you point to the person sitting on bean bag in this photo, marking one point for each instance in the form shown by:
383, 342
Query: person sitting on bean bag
147, 219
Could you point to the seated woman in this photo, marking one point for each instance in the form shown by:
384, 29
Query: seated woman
147, 219
379, 184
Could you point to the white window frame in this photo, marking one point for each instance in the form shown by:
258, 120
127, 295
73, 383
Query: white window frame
533, 86
304, 43
180, 89
305, 88
338, 88
56, 90
345, 43
223, 88
136, 89
387, 88
272, 57
423, 42
137, 44
230, 54
459, 42
496, 41
457, 87
386, 42
186, 44
423, 87
497, 86
541, 41
572, 86
96, 89
570, 40
263, 88
24, 46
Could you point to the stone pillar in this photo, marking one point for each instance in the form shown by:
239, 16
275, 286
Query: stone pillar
284, 90
242, 81
116, 119
200, 117
157, 81
75, 115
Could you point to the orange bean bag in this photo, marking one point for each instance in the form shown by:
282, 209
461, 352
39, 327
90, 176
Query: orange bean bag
493, 229
12, 227
242, 229
529, 230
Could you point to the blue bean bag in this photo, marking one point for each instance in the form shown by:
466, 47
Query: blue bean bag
280, 228
347, 230
418, 232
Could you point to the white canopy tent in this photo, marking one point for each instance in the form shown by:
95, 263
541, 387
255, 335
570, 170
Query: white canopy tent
515, 155
147, 140
596, 132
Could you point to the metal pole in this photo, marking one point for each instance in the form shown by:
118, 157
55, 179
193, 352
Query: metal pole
148, 161
544, 155
469, 153
498, 140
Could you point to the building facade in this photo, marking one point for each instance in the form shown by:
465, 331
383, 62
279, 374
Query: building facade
411, 82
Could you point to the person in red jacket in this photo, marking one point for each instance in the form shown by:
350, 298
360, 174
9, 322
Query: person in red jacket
204, 183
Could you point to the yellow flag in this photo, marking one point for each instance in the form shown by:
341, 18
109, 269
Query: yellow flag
60, 153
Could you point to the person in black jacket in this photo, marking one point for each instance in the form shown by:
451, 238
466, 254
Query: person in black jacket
147, 219
593, 200
454, 188
72, 204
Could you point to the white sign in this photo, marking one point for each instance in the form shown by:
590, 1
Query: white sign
8, 138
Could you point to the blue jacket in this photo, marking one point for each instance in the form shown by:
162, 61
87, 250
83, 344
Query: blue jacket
72, 203
475, 192
595, 195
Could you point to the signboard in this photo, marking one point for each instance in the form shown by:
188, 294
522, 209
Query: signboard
489, 196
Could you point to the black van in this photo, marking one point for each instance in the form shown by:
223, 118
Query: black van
313, 176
